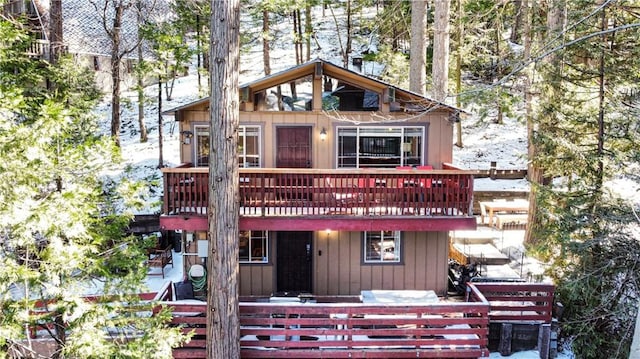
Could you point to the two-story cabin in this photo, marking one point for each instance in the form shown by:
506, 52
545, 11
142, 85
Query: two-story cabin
345, 184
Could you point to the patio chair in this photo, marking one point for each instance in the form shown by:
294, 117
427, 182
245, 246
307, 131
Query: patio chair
344, 195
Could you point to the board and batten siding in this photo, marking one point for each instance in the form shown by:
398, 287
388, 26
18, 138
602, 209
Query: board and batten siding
339, 269
439, 132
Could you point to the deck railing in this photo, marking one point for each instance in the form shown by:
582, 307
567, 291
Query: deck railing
347, 330
516, 301
315, 192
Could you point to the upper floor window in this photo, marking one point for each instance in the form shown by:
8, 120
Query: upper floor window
254, 247
249, 146
249, 154
380, 147
382, 247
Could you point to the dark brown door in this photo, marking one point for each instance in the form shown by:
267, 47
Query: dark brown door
293, 146
293, 262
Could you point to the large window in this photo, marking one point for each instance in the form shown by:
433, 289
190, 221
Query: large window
380, 147
254, 247
382, 247
248, 146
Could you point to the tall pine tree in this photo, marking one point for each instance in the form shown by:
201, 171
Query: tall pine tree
586, 138
61, 234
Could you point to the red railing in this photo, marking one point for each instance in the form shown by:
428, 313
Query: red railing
44, 310
516, 301
347, 330
320, 192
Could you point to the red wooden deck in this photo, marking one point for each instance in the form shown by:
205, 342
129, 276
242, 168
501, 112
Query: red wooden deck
350, 198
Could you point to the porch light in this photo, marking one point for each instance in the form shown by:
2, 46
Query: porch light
323, 134
186, 137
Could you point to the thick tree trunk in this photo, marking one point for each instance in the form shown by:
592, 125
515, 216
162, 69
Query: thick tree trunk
418, 57
115, 75
223, 329
56, 40
555, 21
440, 69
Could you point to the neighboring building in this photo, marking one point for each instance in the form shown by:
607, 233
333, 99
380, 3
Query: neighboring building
85, 37
337, 194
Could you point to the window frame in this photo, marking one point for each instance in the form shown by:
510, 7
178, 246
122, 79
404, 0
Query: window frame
265, 244
363, 133
242, 143
398, 252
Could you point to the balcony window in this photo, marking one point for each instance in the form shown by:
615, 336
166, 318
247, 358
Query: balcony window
382, 247
248, 146
254, 247
380, 147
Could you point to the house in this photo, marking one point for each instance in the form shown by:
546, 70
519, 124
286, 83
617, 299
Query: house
86, 39
345, 185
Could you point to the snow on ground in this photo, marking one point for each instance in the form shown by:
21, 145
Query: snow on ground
484, 141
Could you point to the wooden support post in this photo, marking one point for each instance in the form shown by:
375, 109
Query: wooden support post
492, 170
504, 347
544, 338
553, 345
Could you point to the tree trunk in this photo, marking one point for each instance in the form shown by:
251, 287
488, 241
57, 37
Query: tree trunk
459, 69
634, 353
160, 158
347, 47
517, 22
140, 80
266, 57
533, 171
308, 30
440, 69
555, 20
418, 56
223, 329
56, 40
115, 75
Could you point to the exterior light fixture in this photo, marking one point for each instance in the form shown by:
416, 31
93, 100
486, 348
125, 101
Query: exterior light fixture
323, 134
186, 137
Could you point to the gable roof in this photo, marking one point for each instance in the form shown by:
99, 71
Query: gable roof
327, 68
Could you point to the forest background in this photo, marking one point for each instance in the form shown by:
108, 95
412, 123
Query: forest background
566, 71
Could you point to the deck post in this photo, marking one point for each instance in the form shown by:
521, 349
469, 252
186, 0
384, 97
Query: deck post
506, 331
544, 338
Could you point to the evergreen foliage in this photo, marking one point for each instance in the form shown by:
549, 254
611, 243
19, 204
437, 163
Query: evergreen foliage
587, 136
61, 233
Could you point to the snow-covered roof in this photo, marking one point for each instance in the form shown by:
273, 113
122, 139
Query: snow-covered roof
83, 29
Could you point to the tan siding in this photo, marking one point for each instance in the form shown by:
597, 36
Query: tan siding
321, 263
339, 270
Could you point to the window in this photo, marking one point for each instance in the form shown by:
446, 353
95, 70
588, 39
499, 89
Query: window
380, 147
254, 247
382, 247
248, 146
202, 146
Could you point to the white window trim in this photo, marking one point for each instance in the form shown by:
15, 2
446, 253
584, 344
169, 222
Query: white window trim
243, 130
401, 135
397, 249
265, 258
